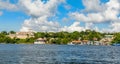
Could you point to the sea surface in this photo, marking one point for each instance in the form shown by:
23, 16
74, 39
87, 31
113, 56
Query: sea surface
58, 54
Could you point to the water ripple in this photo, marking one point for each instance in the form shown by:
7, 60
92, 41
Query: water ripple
58, 54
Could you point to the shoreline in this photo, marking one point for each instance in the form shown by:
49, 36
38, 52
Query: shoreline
54, 44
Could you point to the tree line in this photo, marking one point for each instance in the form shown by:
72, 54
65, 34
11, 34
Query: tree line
58, 37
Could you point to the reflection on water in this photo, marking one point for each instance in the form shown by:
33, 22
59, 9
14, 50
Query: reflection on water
58, 54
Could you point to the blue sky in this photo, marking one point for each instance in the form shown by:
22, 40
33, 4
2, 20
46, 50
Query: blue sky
12, 20
63, 15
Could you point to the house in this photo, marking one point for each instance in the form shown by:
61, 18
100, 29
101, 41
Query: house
40, 41
96, 41
80, 42
107, 39
85, 42
76, 42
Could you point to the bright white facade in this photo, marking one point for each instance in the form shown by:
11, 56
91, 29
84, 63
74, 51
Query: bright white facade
40, 41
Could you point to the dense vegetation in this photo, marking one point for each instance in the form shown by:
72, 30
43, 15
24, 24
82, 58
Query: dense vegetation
5, 39
58, 37
116, 38
66, 37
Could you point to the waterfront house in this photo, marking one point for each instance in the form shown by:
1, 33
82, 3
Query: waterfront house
80, 42
85, 42
76, 42
107, 39
96, 41
40, 41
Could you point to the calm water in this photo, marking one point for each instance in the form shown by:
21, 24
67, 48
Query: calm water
58, 54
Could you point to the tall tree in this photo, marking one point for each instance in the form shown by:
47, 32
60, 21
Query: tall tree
4, 32
12, 32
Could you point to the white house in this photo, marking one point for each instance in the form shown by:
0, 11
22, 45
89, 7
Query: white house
40, 41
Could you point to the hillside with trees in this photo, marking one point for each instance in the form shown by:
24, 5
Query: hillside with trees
57, 37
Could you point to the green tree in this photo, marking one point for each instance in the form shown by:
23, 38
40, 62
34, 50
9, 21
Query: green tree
75, 35
12, 32
4, 33
56, 41
116, 39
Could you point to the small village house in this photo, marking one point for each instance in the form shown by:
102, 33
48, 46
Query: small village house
80, 42
40, 41
76, 42
107, 39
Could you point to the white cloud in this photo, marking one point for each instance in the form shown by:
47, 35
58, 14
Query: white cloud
115, 27
97, 12
74, 27
5, 4
40, 24
89, 25
109, 14
93, 5
91, 17
40, 13
38, 8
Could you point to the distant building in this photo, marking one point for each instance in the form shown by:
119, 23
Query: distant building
107, 39
40, 41
95, 39
97, 43
22, 35
85, 42
76, 42
80, 42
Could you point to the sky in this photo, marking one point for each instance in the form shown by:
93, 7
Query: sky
60, 15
